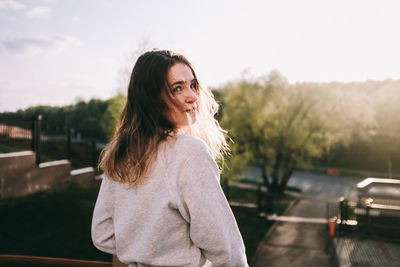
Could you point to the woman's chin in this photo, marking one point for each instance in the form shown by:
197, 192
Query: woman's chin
191, 117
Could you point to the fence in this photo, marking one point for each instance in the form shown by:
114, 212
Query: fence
47, 261
365, 219
259, 201
16, 138
28, 135
367, 234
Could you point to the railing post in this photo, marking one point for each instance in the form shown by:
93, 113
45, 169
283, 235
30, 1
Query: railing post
37, 141
35, 145
68, 143
367, 214
343, 212
259, 199
94, 155
33, 132
368, 203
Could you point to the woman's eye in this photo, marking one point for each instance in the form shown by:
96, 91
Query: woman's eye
194, 86
176, 89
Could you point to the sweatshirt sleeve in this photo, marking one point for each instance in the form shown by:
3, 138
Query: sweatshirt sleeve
102, 221
213, 227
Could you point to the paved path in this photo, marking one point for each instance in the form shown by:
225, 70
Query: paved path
318, 185
299, 237
300, 243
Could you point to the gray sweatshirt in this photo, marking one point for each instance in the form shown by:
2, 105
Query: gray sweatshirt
178, 216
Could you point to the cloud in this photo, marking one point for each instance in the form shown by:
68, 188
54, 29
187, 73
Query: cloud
39, 12
30, 46
11, 4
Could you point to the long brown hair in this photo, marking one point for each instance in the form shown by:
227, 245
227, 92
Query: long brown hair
144, 124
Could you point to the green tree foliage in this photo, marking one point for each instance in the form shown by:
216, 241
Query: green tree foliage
379, 149
112, 114
53, 118
83, 117
277, 126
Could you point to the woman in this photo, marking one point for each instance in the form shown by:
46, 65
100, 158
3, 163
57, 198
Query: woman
161, 203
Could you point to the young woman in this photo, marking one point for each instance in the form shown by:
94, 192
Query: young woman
161, 203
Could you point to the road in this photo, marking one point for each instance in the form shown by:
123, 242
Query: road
320, 186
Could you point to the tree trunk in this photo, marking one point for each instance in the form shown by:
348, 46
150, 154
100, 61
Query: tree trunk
264, 176
287, 173
276, 172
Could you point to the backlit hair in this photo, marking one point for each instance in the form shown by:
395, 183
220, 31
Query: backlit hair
144, 123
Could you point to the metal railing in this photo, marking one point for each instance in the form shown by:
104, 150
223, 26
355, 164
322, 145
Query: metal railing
81, 152
365, 218
16, 138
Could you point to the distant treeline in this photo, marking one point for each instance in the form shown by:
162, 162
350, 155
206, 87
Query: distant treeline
94, 119
377, 148
375, 145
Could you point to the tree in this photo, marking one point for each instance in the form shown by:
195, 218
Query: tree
85, 118
277, 126
112, 114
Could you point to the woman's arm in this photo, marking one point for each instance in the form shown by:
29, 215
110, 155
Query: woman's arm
102, 222
213, 227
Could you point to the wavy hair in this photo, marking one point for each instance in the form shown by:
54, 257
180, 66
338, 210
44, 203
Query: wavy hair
144, 123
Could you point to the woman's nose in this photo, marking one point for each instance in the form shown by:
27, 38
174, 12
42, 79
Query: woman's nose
191, 96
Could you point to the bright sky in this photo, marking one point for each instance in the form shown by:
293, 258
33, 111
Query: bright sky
53, 52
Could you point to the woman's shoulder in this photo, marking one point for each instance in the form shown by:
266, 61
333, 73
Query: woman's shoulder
185, 145
191, 141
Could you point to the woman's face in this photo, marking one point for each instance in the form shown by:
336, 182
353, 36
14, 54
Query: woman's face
184, 91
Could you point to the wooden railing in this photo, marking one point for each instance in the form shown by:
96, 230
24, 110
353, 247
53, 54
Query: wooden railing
48, 261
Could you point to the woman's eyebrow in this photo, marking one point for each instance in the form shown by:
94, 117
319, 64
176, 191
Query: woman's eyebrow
178, 82
183, 82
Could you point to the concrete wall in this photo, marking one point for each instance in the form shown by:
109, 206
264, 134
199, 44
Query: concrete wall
20, 176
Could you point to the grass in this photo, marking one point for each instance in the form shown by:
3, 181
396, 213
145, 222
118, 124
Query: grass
50, 224
57, 224
8, 145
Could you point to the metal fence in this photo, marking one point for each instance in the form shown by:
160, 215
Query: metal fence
16, 138
365, 218
28, 135
365, 235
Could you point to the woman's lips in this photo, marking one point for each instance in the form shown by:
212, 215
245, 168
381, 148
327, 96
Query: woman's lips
191, 109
